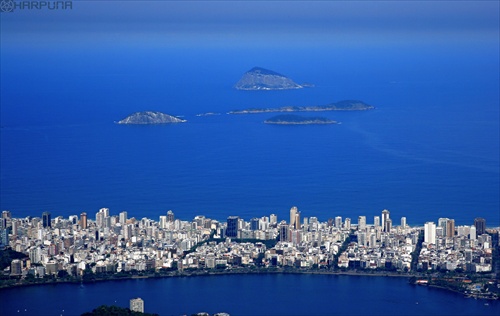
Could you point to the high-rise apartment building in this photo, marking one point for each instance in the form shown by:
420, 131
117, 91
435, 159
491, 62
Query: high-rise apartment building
472, 233
297, 221
450, 228
273, 219
163, 221
232, 226
480, 224
137, 305
338, 222
347, 223
430, 233
442, 224
284, 231
293, 212
385, 217
123, 217
83, 220
46, 220
403, 222
255, 223
16, 267
105, 211
388, 225
170, 216
361, 222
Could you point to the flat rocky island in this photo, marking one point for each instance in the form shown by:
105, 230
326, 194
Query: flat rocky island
150, 117
264, 79
290, 119
345, 105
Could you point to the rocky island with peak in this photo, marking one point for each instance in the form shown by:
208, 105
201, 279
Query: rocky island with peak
290, 119
259, 78
346, 105
150, 117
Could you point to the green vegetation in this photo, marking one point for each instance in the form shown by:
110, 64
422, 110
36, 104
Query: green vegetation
270, 243
112, 310
7, 255
342, 249
416, 252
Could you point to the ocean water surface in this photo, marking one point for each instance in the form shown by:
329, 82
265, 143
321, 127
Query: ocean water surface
428, 150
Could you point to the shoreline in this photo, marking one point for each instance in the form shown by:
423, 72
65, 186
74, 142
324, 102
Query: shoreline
207, 273
197, 273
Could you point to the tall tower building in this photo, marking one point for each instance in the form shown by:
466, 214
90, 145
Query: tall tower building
442, 223
293, 212
297, 220
232, 226
330, 222
450, 228
347, 223
163, 221
284, 231
388, 225
255, 223
385, 217
430, 233
170, 216
480, 224
127, 231
338, 222
403, 222
137, 305
361, 222
376, 221
99, 219
273, 219
46, 220
472, 233
306, 224
83, 220
15, 227
105, 211
123, 217
295, 236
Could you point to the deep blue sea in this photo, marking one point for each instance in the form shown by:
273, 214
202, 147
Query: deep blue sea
430, 149
249, 295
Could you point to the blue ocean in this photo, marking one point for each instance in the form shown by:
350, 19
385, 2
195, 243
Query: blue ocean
429, 149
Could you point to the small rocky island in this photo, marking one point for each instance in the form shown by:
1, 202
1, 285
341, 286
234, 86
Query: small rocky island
345, 105
150, 117
263, 79
290, 119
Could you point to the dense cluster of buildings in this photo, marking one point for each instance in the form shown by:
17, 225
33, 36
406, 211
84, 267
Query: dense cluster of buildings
115, 243
446, 247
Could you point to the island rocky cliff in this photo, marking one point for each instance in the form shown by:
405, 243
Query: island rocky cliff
346, 105
263, 79
290, 119
150, 117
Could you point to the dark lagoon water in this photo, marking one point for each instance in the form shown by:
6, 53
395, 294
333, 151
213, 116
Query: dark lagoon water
249, 295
